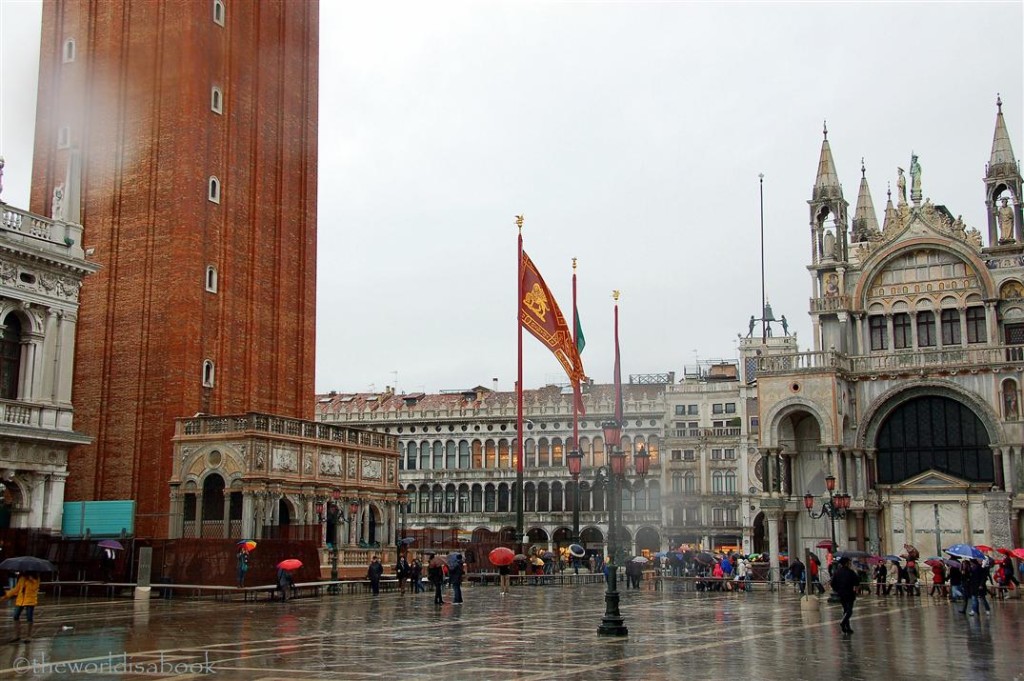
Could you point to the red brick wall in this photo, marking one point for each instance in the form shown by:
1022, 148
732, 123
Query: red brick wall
137, 99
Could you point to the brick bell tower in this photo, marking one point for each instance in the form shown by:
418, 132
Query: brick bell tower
195, 126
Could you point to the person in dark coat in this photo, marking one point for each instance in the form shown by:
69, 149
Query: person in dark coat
402, 572
435, 573
796, 573
977, 585
416, 575
845, 583
284, 582
455, 574
374, 573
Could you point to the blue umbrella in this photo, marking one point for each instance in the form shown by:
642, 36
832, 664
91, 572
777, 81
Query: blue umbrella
577, 551
453, 559
965, 551
893, 558
661, 554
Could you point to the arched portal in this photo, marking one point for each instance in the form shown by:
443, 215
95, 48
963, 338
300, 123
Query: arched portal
648, 538
284, 512
933, 432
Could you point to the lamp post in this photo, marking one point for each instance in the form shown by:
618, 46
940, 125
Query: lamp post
612, 622
835, 508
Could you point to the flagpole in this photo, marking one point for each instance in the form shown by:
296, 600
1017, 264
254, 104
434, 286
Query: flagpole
519, 391
764, 323
575, 344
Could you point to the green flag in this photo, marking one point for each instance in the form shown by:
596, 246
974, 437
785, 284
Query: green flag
581, 342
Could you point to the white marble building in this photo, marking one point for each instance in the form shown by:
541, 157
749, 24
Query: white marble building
41, 270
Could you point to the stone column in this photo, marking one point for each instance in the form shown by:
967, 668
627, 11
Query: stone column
1009, 479
875, 546
248, 515
793, 543
55, 512
858, 331
226, 518
992, 320
997, 466
858, 517
962, 312
997, 508
768, 471
175, 517
773, 516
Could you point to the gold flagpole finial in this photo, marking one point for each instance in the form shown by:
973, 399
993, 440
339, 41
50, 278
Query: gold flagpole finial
615, 295
574, 264
519, 222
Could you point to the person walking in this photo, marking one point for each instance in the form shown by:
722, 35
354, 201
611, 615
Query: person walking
456, 571
373, 573
26, 596
880, 576
435, 573
977, 587
416, 575
796, 573
284, 582
402, 572
503, 573
243, 566
892, 578
845, 583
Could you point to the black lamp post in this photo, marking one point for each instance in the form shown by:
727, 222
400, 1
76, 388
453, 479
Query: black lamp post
612, 622
835, 508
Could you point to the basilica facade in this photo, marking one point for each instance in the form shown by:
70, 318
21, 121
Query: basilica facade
910, 398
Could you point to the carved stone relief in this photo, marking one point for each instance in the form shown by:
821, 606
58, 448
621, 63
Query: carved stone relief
330, 464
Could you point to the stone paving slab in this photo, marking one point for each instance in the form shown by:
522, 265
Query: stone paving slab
534, 634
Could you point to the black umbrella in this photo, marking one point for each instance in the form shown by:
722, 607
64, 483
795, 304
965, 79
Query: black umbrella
27, 564
407, 540
704, 558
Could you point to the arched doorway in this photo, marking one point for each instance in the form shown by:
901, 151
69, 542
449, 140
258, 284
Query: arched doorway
284, 512
933, 432
213, 506
648, 538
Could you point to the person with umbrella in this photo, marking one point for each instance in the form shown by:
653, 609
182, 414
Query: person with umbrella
26, 596
845, 583
796, 573
435, 573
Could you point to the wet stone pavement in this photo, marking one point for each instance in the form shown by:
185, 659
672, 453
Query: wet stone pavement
536, 632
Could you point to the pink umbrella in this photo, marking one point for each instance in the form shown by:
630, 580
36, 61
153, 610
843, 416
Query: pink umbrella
290, 564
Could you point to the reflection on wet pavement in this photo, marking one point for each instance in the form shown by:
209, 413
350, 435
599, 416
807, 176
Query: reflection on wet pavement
545, 632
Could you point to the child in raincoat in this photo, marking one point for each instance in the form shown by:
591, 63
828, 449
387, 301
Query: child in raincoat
26, 596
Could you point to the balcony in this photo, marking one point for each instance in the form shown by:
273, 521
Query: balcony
703, 433
830, 304
54, 423
948, 360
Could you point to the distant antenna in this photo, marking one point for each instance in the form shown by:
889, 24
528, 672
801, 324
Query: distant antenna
395, 374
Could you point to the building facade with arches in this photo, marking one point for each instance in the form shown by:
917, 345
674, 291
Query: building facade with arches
260, 476
457, 456
42, 266
911, 395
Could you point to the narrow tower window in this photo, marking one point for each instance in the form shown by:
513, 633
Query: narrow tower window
218, 12
208, 373
69, 51
211, 278
63, 137
214, 193
216, 100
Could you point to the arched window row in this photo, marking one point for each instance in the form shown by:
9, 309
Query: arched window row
544, 497
500, 453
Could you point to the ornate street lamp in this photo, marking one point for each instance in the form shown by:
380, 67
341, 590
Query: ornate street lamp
834, 507
612, 622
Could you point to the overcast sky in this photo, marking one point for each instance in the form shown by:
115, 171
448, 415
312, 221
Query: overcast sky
630, 135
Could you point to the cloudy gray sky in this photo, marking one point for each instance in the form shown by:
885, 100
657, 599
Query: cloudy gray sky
630, 135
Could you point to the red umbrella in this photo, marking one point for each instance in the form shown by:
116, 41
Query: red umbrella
290, 564
1005, 552
912, 553
501, 556
983, 548
874, 560
1018, 553
933, 562
824, 544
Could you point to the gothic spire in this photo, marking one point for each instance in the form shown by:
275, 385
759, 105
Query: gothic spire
865, 223
890, 212
1002, 161
826, 185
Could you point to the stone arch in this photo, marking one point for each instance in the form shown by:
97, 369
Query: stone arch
880, 409
882, 258
649, 538
31, 323
790, 407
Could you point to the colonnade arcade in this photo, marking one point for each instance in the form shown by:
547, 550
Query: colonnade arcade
538, 497
499, 453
